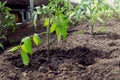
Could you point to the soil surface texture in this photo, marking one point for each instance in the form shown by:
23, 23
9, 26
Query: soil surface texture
81, 57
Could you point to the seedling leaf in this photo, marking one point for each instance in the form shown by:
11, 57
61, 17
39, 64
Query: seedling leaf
1, 45
27, 45
46, 22
99, 19
63, 31
35, 20
37, 39
14, 49
52, 28
25, 58
58, 33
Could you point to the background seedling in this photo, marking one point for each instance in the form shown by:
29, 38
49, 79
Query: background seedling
7, 21
92, 10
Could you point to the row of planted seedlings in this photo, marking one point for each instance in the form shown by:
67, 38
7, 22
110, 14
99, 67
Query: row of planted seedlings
58, 15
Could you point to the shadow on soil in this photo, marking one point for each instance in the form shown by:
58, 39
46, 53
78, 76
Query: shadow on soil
81, 55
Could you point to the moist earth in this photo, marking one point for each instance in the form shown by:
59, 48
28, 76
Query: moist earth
81, 56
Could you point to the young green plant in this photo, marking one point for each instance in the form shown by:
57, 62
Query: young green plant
56, 21
92, 10
25, 47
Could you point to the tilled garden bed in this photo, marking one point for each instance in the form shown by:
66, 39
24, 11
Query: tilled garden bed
80, 57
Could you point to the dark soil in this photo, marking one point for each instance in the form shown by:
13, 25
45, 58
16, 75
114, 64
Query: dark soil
80, 57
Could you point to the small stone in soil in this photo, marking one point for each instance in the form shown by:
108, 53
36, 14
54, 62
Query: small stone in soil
51, 76
43, 69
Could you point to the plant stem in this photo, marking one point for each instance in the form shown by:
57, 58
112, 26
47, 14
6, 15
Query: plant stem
48, 41
91, 21
92, 32
92, 26
43, 33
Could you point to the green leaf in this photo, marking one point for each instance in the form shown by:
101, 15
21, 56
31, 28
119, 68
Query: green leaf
78, 13
4, 37
58, 33
14, 28
99, 19
71, 15
25, 58
27, 45
35, 20
37, 39
63, 28
63, 31
1, 45
3, 4
14, 49
46, 22
52, 28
